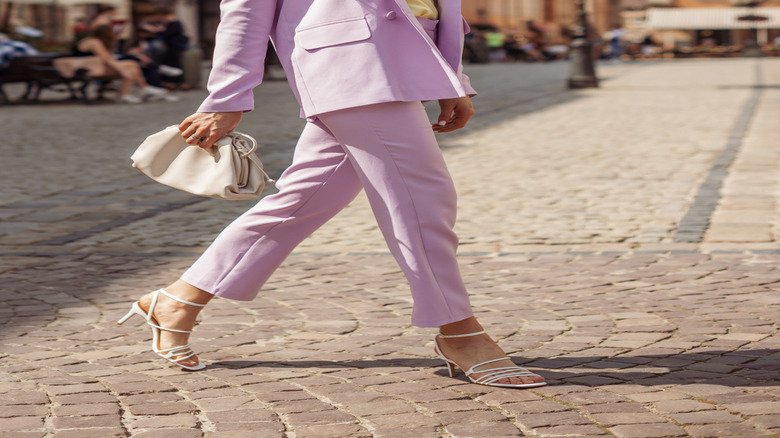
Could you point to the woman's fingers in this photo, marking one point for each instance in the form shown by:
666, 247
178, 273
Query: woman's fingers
204, 129
455, 113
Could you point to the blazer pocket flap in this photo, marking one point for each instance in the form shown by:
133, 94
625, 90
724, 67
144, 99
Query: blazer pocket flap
332, 34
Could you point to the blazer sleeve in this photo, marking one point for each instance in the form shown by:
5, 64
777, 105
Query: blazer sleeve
465, 80
452, 30
239, 54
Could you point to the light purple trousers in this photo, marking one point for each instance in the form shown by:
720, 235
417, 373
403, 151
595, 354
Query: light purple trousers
390, 150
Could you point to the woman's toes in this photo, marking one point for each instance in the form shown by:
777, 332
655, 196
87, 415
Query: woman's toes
188, 362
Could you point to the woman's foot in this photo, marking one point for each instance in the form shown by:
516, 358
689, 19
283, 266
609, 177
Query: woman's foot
173, 314
471, 350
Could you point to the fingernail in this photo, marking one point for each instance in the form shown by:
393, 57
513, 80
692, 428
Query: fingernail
442, 122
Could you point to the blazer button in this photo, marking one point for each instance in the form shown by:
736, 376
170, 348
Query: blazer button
391, 15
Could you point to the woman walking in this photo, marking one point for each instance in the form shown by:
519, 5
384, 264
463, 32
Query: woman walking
359, 69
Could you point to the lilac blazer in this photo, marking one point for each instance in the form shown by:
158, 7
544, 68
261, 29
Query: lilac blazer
337, 53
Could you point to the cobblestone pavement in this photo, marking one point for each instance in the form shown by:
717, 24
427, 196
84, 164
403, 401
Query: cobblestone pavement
621, 241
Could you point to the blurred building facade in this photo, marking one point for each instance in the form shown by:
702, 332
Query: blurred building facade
554, 17
702, 26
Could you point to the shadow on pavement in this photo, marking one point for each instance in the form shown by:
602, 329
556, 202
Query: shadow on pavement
650, 370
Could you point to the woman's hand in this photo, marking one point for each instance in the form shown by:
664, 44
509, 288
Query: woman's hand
455, 113
204, 129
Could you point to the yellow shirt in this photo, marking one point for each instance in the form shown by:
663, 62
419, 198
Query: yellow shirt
424, 9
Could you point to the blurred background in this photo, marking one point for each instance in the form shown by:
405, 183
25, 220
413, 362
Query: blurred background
170, 38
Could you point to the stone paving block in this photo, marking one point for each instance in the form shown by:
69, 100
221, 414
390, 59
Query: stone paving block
83, 399
241, 415
23, 410
740, 430
170, 433
227, 403
382, 407
706, 417
86, 410
166, 421
18, 434
535, 407
408, 420
91, 433
81, 422
470, 417
310, 405
677, 406
615, 407
616, 418
243, 434
501, 397
551, 419
656, 396
269, 397
592, 397
757, 408
486, 429
766, 421
321, 417
571, 430
21, 423
257, 427
647, 431
453, 406
340, 430
154, 397
168, 408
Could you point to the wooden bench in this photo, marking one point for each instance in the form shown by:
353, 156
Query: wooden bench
39, 73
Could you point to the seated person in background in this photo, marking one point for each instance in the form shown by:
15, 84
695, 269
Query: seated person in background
100, 43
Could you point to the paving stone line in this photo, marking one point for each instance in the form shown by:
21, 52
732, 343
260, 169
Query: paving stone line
697, 220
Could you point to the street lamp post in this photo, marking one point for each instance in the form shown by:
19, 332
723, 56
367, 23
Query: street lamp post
583, 72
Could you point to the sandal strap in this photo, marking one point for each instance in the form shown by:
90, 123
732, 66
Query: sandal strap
471, 370
153, 304
167, 329
492, 378
179, 299
175, 349
170, 356
462, 336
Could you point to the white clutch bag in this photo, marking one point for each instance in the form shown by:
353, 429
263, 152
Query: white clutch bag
228, 170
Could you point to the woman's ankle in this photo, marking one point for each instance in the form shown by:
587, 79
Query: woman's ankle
187, 292
462, 327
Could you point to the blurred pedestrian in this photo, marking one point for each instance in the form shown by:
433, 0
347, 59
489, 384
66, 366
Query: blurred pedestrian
169, 41
495, 41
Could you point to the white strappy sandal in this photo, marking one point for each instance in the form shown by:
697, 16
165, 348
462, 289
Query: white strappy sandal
491, 376
179, 353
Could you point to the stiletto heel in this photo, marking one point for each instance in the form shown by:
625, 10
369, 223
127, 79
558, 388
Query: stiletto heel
490, 376
173, 354
126, 317
451, 369
135, 310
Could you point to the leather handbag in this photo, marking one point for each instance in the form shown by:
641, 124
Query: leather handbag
228, 170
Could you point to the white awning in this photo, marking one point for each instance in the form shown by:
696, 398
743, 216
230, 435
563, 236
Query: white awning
713, 18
